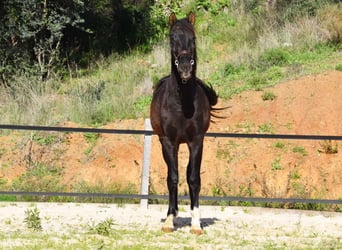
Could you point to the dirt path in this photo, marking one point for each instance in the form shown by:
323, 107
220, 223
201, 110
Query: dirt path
224, 227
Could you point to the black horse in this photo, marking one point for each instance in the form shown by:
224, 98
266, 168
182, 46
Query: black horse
181, 113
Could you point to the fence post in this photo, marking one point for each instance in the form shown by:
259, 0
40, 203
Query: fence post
145, 173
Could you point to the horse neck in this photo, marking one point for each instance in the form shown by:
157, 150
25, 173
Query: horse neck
185, 91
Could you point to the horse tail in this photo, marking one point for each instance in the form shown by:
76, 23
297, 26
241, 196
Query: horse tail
209, 92
212, 98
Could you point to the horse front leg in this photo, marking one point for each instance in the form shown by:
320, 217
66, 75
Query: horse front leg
194, 182
170, 154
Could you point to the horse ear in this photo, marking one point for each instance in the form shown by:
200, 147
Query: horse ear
172, 19
191, 18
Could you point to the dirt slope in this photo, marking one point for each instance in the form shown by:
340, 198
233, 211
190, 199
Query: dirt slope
257, 167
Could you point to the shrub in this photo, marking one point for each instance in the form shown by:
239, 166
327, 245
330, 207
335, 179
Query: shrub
331, 18
273, 57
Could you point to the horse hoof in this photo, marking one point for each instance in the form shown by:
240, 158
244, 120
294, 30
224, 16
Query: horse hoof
167, 229
196, 230
168, 226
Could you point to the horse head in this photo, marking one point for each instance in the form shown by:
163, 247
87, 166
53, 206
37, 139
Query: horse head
183, 46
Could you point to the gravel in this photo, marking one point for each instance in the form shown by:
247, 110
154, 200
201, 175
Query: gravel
224, 227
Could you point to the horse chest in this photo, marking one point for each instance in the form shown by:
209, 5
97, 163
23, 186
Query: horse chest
181, 127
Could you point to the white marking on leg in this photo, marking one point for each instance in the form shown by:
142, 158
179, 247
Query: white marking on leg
195, 217
169, 223
196, 222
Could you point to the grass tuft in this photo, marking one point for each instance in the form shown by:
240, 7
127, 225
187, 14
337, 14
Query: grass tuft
33, 220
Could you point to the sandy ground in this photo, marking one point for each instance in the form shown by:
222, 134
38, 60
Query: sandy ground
223, 226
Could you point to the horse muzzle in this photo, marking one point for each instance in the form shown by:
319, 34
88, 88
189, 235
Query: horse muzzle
185, 76
185, 69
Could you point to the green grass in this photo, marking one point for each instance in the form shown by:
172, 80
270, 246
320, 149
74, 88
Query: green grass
155, 239
45, 139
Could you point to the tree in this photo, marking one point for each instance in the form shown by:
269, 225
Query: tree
31, 33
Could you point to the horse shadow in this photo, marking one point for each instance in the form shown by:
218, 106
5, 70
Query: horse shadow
181, 222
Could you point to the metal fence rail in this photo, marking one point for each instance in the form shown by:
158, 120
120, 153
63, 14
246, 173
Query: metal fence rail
149, 132
144, 196
165, 197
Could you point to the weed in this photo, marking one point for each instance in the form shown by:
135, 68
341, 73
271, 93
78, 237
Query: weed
224, 154
279, 145
300, 150
44, 140
3, 182
276, 164
328, 147
338, 67
246, 126
295, 175
299, 189
102, 228
88, 150
91, 137
223, 204
246, 191
268, 96
2, 151
32, 219
266, 128
216, 191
